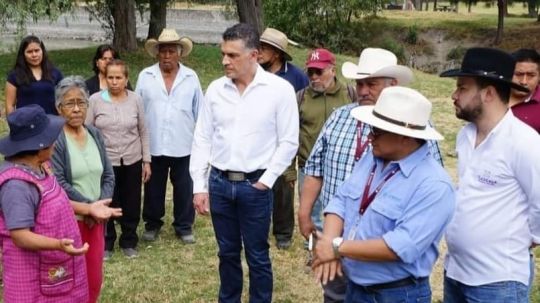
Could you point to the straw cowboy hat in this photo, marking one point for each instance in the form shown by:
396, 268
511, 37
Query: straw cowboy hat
169, 36
487, 63
30, 128
278, 40
400, 110
377, 62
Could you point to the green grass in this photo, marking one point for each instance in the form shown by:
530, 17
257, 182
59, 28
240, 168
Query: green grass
168, 271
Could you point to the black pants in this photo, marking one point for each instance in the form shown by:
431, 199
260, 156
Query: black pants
127, 195
283, 214
156, 188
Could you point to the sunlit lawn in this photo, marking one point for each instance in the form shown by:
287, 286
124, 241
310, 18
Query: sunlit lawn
168, 271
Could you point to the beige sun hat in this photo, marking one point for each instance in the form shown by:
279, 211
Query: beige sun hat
377, 62
169, 36
278, 40
400, 110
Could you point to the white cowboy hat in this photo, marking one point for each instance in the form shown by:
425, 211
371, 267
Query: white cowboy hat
399, 110
278, 40
169, 36
377, 62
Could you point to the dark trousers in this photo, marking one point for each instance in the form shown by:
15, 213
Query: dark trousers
241, 215
127, 195
155, 189
283, 214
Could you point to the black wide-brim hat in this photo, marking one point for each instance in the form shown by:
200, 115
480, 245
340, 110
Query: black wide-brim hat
488, 63
30, 128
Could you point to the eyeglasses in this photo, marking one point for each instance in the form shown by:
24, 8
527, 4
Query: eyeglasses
315, 71
70, 104
377, 132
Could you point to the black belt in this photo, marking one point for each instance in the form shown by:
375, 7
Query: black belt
394, 284
237, 176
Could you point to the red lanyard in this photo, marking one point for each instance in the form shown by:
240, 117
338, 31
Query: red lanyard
359, 146
366, 197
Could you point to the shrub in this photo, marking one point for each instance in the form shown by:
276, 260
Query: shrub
412, 35
456, 53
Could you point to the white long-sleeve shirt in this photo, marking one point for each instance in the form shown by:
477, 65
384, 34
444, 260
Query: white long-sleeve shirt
497, 214
245, 132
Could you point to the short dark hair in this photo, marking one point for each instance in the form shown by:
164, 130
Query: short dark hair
503, 89
527, 55
245, 32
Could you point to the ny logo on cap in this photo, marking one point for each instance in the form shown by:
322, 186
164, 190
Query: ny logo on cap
314, 56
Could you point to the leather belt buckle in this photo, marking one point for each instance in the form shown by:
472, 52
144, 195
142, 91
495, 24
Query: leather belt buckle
236, 176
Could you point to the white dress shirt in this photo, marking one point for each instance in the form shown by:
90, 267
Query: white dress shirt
170, 116
246, 132
497, 215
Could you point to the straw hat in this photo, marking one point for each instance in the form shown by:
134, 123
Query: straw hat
278, 40
169, 36
400, 110
375, 63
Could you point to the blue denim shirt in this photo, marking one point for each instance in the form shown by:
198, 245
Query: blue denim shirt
410, 214
296, 77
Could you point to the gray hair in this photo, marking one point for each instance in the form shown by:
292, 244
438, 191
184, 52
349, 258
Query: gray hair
66, 85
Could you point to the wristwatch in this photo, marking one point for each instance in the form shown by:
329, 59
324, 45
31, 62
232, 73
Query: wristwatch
336, 243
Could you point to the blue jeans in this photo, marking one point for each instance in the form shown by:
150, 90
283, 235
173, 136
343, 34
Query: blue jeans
498, 292
316, 211
417, 293
241, 215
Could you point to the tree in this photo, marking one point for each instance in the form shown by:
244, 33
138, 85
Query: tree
501, 6
125, 29
158, 18
18, 12
336, 25
251, 12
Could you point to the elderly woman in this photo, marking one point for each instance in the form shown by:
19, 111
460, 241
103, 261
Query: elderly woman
41, 244
83, 169
119, 114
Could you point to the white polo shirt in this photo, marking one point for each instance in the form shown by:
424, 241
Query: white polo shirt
497, 215
257, 129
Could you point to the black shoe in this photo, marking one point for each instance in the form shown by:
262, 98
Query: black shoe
283, 244
150, 235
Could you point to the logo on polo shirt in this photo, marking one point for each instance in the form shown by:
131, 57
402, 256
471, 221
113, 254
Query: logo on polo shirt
487, 178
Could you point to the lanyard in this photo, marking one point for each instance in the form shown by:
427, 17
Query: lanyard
359, 146
366, 197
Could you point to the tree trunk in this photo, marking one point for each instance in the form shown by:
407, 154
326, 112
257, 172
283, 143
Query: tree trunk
500, 22
506, 8
158, 18
251, 12
418, 4
469, 5
124, 37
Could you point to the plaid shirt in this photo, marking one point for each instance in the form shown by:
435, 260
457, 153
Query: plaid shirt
332, 157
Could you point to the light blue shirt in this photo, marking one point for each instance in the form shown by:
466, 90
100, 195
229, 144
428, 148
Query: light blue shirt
410, 214
170, 117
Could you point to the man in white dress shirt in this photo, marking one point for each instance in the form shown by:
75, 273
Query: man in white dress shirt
246, 135
497, 215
